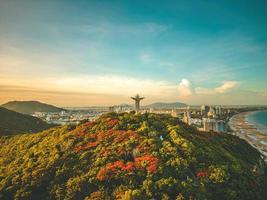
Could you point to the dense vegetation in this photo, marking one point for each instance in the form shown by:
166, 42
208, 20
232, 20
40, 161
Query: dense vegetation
29, 107
127, 156
16, 123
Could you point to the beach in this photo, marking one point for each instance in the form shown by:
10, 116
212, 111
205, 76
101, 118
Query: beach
247, 131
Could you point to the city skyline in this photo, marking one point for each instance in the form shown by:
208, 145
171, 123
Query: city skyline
101, 52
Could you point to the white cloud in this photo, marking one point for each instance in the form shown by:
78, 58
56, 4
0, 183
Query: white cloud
96, 84
206, 91
226, 87
114, 85
185, 89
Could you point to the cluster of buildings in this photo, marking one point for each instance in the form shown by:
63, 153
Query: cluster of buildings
120, 108
214, 125
173, 112
68, 116
208, 118
212, 111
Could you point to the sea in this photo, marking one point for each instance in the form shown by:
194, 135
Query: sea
259, 120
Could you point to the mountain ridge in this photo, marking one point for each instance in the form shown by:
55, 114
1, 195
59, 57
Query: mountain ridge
29, 107
162, 105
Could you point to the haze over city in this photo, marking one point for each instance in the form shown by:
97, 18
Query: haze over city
101, 52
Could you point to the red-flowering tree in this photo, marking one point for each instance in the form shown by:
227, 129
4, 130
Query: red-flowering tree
148, 162
145, 163
202, 174
111, 122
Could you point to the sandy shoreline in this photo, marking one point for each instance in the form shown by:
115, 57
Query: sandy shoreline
250, 133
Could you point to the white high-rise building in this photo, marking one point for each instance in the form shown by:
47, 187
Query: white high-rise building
218, 110
187, 117
211, 112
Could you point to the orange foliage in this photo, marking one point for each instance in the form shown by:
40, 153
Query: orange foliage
202, 174
101, 175
147, 162
80, 133
112, 122
120, 151
110, 136
150, 163
129, 167
82, 130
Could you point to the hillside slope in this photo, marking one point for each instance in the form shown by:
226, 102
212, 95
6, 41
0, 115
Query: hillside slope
15, 123
29, 107
126, 156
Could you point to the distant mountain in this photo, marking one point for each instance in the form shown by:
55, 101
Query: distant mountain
12, 122
161, 105
29, 107
123, 105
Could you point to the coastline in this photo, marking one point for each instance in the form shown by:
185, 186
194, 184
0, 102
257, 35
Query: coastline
247, 131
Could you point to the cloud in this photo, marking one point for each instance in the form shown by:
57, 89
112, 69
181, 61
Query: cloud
226, 87
204, 91
185, 89
8, 93
146, 58
85, 89
112, 84
96, 84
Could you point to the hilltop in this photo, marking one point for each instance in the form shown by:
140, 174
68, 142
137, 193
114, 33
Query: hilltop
16, 123
29, 107
162, 105
130, 157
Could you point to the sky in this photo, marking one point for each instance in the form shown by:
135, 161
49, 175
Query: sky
87, 53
